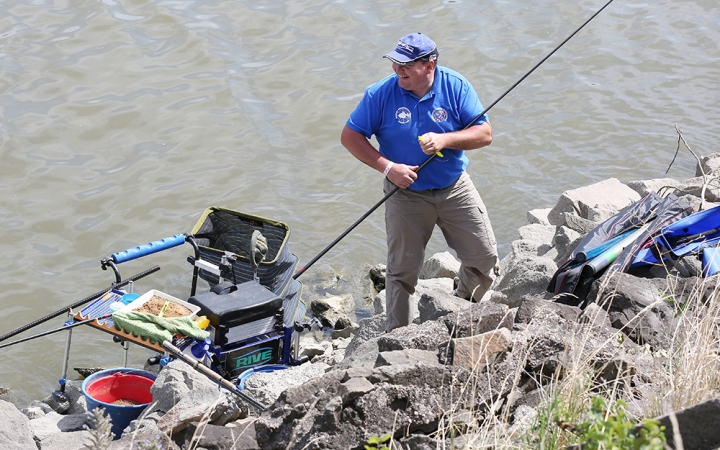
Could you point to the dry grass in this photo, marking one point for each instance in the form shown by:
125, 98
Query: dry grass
692, 374
687, 373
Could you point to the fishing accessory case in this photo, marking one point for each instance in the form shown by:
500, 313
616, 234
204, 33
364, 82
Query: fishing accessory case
221, 230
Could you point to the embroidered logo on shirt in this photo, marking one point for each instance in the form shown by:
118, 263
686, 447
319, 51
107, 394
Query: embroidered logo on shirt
439, 115
403, 115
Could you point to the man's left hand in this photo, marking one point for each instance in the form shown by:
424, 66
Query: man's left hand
431, 143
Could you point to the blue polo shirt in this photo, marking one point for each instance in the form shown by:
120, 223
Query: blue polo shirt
397, 117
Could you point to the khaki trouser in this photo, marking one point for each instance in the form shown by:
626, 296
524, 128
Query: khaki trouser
410, 218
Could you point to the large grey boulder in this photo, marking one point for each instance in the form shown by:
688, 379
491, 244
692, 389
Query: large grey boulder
36, 409
72, 403
433, 305
539, 216
639, 307
647, 309
182, 395
364, 355
15, 431
576, 223
377, 276
528, 267
479, 318
521, 249
537, 234
427, 336
238, 435
440, 265
565, 241
198, 407
600, 212
74, 440
695, 203
369, 328
611, 193
334, 309
477, 353
551, 344
531, 305
408, 356
526, 275
710, 165
142, 440
266, 387
697, 426
343, 409
644, 187
78, 402
534, 239
53, 423
694, 187
432, 286
364, 349
379, 305
58, 403
594, 315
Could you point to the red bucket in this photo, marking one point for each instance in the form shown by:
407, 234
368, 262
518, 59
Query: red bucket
123, 393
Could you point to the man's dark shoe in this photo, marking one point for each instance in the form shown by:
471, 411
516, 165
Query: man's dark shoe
454, 292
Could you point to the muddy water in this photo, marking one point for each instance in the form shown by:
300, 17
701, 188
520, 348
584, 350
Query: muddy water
122, 120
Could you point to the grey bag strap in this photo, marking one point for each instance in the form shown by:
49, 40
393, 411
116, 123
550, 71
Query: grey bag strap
258, 250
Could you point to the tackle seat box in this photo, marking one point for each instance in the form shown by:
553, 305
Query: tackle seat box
248, 303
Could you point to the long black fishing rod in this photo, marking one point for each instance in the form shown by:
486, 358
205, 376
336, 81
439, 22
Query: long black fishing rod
56, 330
391, 193
80, 302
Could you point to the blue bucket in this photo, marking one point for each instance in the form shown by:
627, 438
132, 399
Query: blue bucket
123, 393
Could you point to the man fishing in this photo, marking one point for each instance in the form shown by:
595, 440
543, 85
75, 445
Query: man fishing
425, 111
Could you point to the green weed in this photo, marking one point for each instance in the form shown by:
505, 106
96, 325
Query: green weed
375, 442
611, 429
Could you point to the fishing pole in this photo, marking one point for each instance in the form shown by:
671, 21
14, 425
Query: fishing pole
80, 302
56, 330
391, 193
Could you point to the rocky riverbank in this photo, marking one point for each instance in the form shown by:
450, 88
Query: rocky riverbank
464, 375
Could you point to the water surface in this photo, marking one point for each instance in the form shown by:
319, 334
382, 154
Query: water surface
121, 121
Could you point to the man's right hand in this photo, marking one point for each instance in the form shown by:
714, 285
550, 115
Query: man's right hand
402, 175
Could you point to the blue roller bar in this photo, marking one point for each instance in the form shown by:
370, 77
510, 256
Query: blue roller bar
148, 249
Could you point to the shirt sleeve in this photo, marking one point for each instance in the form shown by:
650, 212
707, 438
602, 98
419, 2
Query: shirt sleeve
365, 116
470, 106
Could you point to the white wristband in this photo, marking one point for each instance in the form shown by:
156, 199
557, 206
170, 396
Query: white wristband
387, 168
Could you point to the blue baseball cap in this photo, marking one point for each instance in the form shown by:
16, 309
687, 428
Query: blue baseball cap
412, 47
